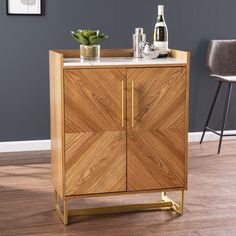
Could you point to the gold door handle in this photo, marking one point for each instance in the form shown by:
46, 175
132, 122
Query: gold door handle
132, 121
122, 103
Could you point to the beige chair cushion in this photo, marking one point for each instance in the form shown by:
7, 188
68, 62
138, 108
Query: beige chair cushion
226, 78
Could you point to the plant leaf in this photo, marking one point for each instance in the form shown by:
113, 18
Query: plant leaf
78, 37
88, 37
88, 33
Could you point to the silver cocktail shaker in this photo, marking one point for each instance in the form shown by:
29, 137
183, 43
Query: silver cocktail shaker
139, 38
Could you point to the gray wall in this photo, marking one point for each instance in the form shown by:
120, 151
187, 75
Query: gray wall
25, 41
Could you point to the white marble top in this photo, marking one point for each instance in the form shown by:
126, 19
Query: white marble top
108, 61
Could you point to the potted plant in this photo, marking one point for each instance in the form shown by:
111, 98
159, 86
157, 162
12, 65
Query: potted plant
89, 43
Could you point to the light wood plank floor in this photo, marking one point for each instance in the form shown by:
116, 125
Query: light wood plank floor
26, 198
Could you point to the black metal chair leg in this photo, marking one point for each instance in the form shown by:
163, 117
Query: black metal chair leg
211, 110
225, 116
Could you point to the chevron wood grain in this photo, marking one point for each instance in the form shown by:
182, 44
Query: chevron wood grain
95, 149
93, 100
95, 143
95, 162
156, 143
118, 129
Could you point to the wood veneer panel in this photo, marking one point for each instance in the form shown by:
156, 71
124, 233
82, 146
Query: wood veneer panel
179, 54
95, 162
57, 120
156, 143
187, 118
93, 100
95, 139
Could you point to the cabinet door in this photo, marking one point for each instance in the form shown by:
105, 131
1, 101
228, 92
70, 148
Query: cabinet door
95, 130
156, 139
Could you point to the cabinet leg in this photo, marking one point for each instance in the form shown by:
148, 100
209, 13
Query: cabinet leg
182, 202
165, 204
63, 214
66, 212
179, 208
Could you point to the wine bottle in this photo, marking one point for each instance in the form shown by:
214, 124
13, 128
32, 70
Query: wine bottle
161, 33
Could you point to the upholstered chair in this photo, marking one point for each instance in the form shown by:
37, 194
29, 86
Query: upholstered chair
221, 61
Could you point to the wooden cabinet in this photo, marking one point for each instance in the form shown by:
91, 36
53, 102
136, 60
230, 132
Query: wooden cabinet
119, 128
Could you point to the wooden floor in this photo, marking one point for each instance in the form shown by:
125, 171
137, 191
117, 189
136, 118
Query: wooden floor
26, 200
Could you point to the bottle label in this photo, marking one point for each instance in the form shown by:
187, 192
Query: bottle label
162, 46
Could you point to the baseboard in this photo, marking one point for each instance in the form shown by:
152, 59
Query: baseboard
22, 146
209, 136
44, 145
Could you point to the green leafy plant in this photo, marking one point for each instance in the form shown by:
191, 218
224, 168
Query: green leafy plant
88, 37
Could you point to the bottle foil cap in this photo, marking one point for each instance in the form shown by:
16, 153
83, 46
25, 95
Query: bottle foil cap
160, 9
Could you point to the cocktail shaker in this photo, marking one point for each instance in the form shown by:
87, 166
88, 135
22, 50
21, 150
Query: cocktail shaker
139, 38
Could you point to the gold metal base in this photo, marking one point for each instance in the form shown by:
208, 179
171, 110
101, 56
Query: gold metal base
165, 204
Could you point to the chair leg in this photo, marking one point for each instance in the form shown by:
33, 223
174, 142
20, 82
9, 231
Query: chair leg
225, 116
211, 110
